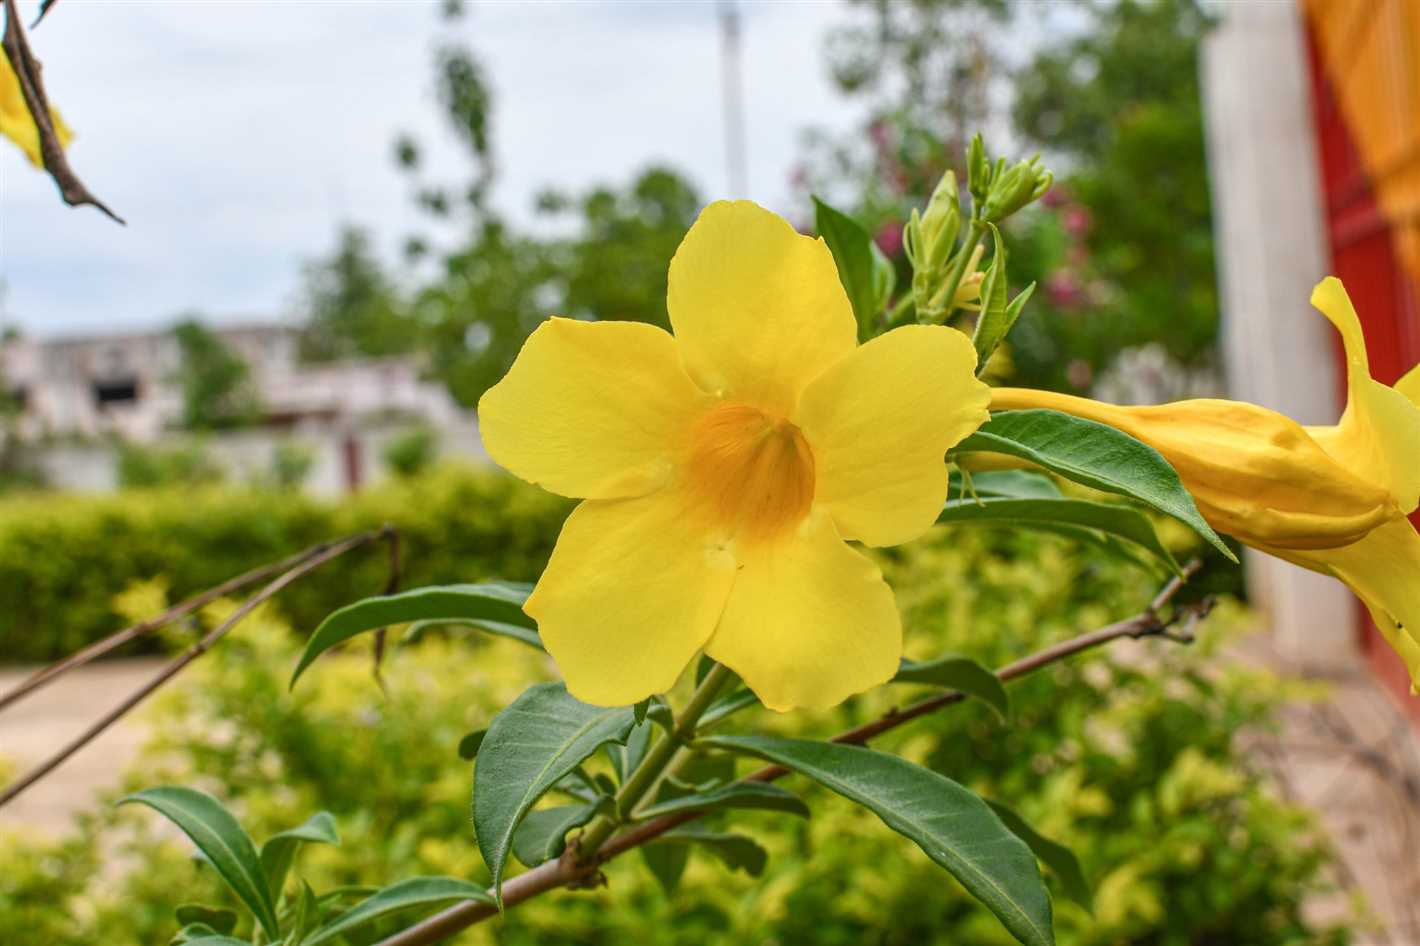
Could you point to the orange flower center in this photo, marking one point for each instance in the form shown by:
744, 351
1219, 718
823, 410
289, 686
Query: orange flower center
752, 472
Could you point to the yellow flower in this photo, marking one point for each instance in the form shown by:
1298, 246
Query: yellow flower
1331, 499
15, 120
724, 469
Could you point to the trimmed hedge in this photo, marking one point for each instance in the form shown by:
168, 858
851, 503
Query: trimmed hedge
63, 558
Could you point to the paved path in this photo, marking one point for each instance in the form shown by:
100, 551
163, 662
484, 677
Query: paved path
50, 717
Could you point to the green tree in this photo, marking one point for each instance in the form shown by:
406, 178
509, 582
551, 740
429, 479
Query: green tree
1119, 103
216, 382
352, 306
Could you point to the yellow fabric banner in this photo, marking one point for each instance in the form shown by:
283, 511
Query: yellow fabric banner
1371, 53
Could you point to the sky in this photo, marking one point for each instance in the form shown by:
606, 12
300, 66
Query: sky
237, 137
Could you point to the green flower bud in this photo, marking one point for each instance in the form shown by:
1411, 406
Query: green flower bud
941, 223
1014, 188
978, 169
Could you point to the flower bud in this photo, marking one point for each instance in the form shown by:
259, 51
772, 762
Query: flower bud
1016, 187
941, 222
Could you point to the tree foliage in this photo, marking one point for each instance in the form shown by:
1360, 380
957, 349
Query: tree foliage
217, 390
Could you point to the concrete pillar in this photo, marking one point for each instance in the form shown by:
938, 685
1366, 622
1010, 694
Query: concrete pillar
1271, 246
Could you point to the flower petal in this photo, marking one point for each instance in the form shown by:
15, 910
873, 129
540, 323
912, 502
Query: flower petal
630, 595
1383, 569
880, 423
757, 308
591, 409
809, 622
1410, 385
1378, 436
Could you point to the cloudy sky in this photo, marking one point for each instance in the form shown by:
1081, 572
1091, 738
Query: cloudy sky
236, 137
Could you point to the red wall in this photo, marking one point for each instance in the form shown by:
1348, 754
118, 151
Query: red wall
1387, 299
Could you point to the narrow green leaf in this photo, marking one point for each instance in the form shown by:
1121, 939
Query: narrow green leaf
952, 825
1016, 484
308, 914
280, 849
405, 895
1059, 858
542, 835
884, 277
727, 706
215, 941
1122, 521
219, 920
736, 851
418, 629
955, 672
500, 602
221, 840
991, 324
468, 745
538, 739
852, 250
1094, 455
751, 795
666, 863
625, 758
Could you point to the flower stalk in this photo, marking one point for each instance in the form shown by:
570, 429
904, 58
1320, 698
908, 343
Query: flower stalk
657, 761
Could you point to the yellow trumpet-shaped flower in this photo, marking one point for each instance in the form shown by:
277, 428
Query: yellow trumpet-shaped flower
1331, 499
15, 120
723, 469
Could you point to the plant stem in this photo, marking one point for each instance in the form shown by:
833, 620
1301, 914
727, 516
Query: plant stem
974, 234
655, 763
564, 872
898, 314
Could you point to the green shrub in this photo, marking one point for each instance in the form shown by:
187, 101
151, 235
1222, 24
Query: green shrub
411, 452
141, 466
63, 558
1131, 756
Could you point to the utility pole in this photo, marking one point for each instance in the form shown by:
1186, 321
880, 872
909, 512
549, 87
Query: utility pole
732, 94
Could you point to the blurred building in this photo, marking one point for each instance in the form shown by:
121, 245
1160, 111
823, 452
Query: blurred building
1314, 151
78, 394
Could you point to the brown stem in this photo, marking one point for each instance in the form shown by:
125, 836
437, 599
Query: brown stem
27, 71
567, 871
197, 650
97, 649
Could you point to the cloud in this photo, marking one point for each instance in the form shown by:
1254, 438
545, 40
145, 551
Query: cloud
236, 136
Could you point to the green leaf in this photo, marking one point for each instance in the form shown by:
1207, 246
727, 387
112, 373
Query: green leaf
952, 825
405, 895
1016, 484
539, 738
468, 745
308, 914
991, 324
543, 833
727, 706
1122, 521
500, 602
221, 840
752, 795
852, 250
1094, 455
884, 277
736, 851
1059, 858
280, 849
218, 919
954, 672
215, 941
625, 758
418, 629
666, 863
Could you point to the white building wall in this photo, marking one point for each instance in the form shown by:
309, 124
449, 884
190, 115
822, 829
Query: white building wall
1271, 252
